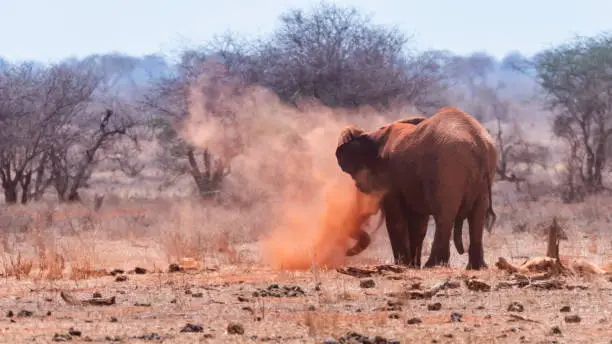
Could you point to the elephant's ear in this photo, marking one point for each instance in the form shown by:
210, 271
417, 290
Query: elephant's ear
355, 150
413, 120
348, 134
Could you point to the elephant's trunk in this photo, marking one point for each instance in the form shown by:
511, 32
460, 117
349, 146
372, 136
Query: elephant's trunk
363, 241
363, 238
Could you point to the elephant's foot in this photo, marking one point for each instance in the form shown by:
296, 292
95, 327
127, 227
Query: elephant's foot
409, 263
437, 261
480, 266
476, 261
413, 265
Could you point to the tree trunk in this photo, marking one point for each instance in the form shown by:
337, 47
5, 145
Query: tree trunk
59, 184
61, 197
209, 180
590, 163
570, 195
25, 187
553, 240
40, 183
80, 177
74, 196
67, 194
10, 193
600, 158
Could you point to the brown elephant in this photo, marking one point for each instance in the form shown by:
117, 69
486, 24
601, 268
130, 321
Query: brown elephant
441, 166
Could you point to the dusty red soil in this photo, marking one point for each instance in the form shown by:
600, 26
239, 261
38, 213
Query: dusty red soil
156, 306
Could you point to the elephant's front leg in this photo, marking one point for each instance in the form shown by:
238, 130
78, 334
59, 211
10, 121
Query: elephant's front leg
440, 248
397, 228
417, 228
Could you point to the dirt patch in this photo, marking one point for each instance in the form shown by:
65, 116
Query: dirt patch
308, 307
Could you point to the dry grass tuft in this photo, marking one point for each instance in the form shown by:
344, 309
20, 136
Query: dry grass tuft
83, 269
17, 266
51, 265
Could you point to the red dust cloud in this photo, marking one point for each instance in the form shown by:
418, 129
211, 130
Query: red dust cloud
298, 245
283, 163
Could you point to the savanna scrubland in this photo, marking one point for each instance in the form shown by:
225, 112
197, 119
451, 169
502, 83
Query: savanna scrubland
187, 194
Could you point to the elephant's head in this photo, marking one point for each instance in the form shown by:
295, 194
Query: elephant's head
358, 155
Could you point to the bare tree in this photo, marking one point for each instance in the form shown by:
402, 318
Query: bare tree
517, 156
337, 56
332, 54
125, 155
576, 77
38, 101
46, 121
572, 189
169, 99
471, 74
74, 158
21, 139
178, 158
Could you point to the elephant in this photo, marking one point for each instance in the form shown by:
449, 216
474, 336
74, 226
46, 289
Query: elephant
441, 166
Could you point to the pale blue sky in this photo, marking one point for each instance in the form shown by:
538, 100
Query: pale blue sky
53, 29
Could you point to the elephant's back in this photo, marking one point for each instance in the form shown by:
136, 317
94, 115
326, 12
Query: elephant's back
451, 137
451, 125
457, 139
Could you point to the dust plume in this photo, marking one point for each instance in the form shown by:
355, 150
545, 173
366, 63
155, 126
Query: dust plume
319, 236
282, 159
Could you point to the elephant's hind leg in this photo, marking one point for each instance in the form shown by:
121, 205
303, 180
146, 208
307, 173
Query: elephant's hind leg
476, 223
440, 248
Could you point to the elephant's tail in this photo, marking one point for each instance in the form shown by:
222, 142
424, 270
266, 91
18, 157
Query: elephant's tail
491, 216
457, 235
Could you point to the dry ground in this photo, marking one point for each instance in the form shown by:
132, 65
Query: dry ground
64, 249
157, 306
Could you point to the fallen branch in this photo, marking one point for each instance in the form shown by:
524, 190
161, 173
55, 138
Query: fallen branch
515, 317
548, 267
552, 284
370, 271
504, 265
538, 277
98, 301
418, 294
551, 265
583, 267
